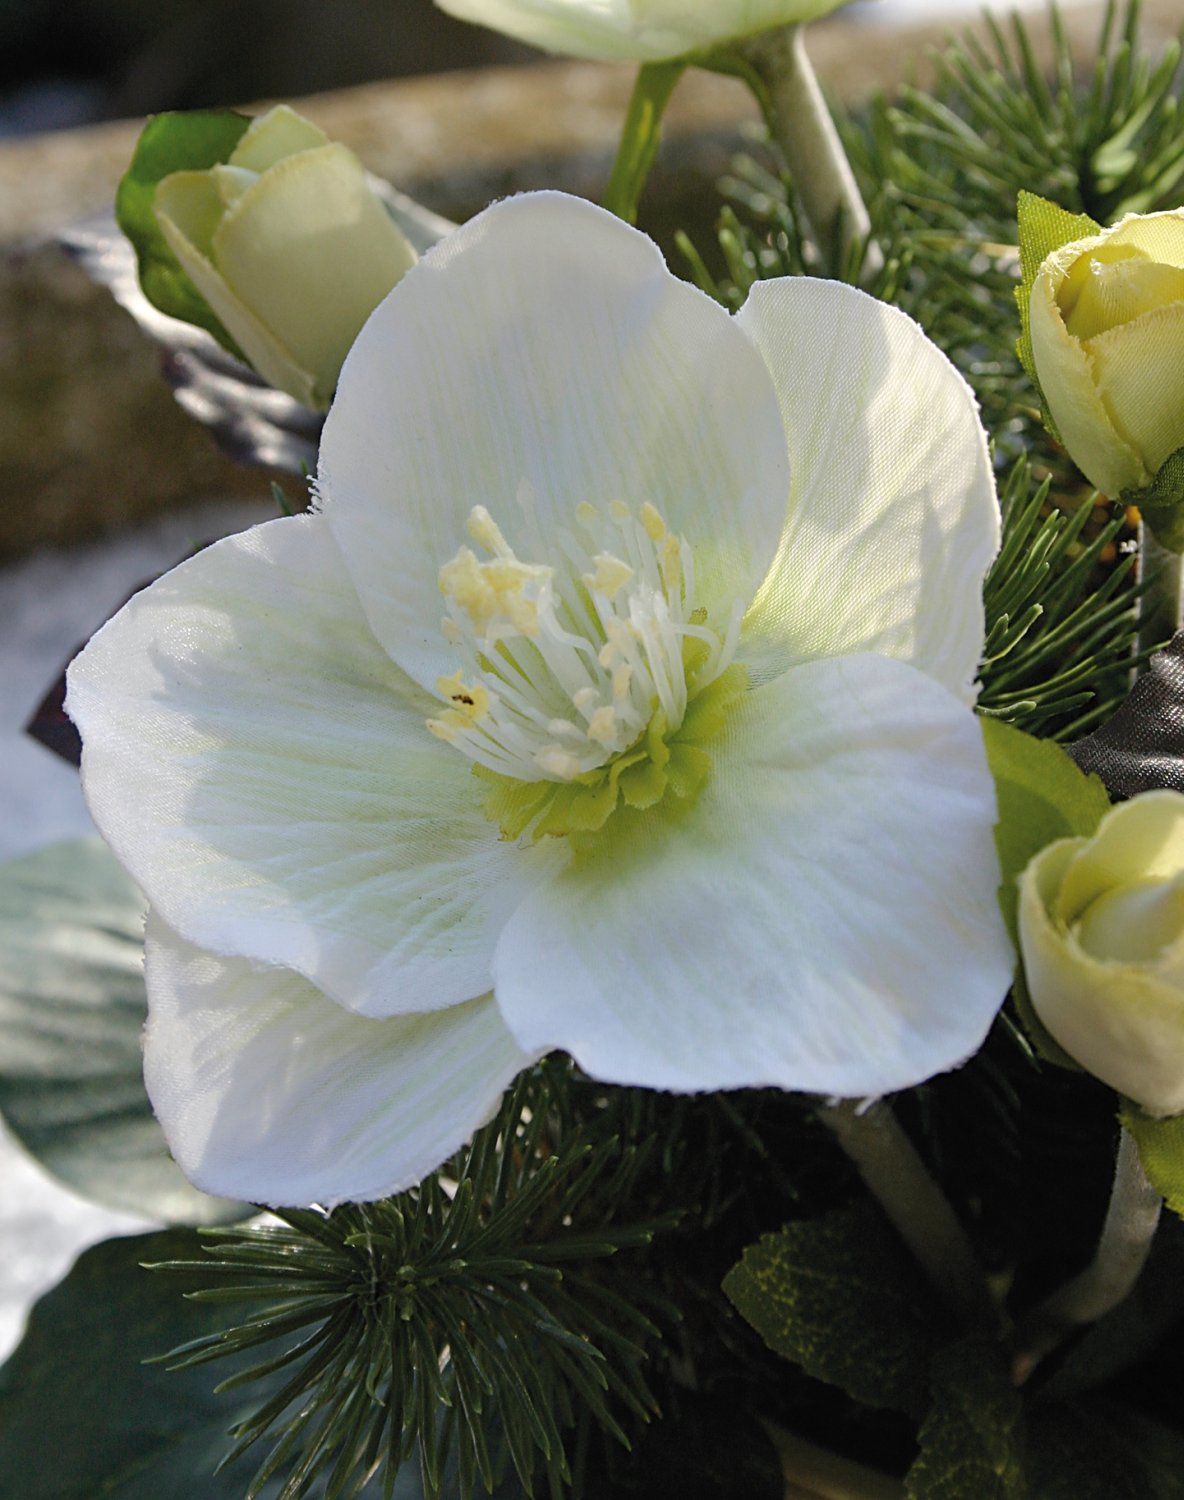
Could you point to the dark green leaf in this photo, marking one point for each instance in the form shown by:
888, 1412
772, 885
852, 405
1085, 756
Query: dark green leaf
1097, 1451
190, 140
1161, 504
840, 1297
972, 1439
72, 1006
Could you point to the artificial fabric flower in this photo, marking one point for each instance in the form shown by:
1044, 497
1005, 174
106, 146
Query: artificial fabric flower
1102, 936
617, 699
288, 244
1107, 324
633, 30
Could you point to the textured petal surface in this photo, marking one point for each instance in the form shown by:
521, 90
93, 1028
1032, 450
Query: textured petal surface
267, 1087
823, 919
632, 30
540, 357
893, 519
1139, 370
265, 774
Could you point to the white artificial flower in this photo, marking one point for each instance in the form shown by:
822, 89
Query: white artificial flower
633, 30
617, 699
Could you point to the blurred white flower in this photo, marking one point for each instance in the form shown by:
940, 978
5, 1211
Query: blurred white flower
686, 782
633, 30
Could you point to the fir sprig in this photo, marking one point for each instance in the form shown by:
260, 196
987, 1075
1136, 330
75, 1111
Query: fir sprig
468, 1320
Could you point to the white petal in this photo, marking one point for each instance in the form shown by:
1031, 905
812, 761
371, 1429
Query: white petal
265, 1086
264, 772
540, 357
632, 30
893, 519
823, 919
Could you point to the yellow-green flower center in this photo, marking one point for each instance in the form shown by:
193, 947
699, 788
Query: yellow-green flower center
587, 683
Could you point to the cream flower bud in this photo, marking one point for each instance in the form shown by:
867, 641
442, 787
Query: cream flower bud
1102, 937
1107, 326
633, 30
288, 244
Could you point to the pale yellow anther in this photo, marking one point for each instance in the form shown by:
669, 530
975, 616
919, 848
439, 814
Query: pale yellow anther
587, 514
557, 762
463, 580
469, 701
487, 533
618, 510
585, 700
622, 681
611, 574
608, 656
651, 519
670, 563
602, 726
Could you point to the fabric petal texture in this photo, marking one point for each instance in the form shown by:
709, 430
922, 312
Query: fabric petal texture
264, 772
267, 1087
824, 919
543, 357
892, 518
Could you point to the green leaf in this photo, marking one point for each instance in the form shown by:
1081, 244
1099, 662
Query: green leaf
1043, 228
1161, 1150
1161, 504
82, 1416
972, 1442
72, 1006
1042, 796
186, 141
839, 1296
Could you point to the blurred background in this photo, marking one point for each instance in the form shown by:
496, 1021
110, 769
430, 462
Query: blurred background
79, 61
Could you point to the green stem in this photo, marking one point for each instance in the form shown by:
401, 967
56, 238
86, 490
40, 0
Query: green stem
801, 124
640, 136
1160, 603
920, 1212
1110, 1277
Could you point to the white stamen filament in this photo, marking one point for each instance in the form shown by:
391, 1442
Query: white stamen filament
562, 668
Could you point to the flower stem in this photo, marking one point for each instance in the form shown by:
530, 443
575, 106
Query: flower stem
640, 136
801, 124
1109, 1278
901, 1183
1160, 603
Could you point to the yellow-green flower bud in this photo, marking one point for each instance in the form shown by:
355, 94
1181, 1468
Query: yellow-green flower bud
290, 247
1102, 937
1107, 327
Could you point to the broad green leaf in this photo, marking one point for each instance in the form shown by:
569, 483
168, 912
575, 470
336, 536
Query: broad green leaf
1161, 1150
82, 1416
191, 140
1043, 228
1042, 796
972, 1442
72, 1006
839, 1296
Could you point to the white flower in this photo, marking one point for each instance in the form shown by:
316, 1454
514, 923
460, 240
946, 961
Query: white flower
569, 509
633, 30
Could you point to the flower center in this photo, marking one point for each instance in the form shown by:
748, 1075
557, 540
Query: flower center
585, 683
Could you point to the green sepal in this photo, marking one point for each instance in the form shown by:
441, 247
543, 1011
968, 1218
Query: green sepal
1161, 503
972, 1441
840, 1297
1042, 796
1043, 227
1161, 1151
180, 141
641, 135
